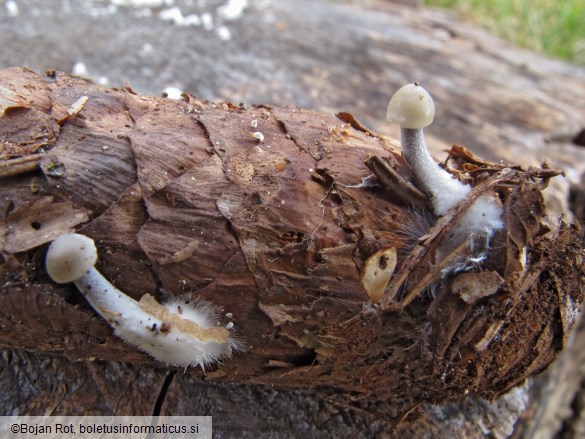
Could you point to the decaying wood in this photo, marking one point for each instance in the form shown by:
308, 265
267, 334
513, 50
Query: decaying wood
182, 200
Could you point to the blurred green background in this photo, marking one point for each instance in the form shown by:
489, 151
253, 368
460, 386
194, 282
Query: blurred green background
552, 27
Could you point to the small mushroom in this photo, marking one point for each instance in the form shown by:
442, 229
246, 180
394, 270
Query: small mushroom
179, 333
413, 108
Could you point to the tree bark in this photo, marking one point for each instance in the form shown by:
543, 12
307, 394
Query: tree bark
182, 200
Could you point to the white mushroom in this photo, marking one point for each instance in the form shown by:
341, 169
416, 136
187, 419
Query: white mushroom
180, 333
413, 108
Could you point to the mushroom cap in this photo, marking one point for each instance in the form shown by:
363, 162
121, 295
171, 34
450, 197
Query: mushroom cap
69, 257
412, 107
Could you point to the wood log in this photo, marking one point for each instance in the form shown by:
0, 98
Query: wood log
182, 200
502, 102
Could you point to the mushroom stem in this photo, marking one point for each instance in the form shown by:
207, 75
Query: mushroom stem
444, 190
107, 300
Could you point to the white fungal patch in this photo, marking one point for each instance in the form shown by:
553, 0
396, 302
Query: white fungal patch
175, 15
233, 9
172, 14
483, 217
180, 333
188, 334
